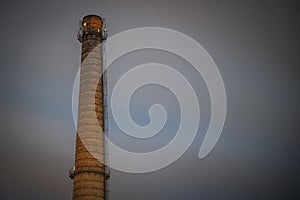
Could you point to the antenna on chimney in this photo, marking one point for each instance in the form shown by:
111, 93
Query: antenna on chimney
104, 29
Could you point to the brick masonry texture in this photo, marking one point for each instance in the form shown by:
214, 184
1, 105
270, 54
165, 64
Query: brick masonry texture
89, 179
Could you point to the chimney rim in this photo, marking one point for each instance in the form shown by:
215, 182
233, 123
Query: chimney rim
89, 16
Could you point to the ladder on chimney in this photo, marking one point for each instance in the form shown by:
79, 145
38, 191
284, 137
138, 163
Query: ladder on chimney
106, 128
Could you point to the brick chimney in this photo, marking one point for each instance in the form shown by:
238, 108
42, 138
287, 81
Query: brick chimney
89, 173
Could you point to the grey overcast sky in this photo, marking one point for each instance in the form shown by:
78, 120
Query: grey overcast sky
255, 45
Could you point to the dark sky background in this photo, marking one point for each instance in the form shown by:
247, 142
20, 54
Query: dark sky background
255, 44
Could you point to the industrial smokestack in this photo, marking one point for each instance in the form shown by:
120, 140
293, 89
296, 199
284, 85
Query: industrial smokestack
89, 173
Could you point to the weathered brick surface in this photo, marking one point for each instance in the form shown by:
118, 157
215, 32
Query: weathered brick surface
89, 179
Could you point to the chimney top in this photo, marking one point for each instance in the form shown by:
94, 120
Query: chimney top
92, 16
